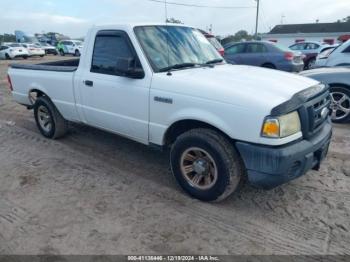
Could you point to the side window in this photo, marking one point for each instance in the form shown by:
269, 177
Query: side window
312, 46
236, 49
347, 50
294, 47
3, 48
300, 47
256, 48
69, 43
107, 50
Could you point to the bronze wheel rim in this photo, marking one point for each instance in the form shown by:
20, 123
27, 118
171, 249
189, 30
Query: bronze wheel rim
44, 118
199, 168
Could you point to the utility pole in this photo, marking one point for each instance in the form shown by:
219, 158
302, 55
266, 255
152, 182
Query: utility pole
257, 19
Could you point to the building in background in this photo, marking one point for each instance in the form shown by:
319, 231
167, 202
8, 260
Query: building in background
330, 33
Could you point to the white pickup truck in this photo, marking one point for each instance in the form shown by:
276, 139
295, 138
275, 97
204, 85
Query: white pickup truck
166, 86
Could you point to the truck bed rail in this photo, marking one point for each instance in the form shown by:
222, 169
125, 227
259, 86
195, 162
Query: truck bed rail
58, 66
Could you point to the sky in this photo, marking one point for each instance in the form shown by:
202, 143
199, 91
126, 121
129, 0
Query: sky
74, 17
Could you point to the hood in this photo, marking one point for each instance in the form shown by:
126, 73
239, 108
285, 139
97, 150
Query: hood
325, 70
241, 86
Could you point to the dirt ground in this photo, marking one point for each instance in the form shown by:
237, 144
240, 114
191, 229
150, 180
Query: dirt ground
96, 193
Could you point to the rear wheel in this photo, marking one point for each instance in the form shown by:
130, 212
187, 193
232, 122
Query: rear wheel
340, 104
50, 122
206, 165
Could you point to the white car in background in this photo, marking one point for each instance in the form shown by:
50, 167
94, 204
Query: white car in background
339, 56
34, 50
13, 50
49, 49
70, 47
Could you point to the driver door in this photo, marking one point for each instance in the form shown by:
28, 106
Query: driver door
110, 100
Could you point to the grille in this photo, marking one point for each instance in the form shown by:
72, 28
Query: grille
317, 110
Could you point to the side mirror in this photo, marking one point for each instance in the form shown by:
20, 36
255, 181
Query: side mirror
128, 68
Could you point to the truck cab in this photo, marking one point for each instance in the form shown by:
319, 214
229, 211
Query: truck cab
167, 87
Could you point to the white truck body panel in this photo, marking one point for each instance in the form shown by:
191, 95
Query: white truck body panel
232, 98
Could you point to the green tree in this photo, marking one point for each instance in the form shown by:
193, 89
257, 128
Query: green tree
241, 35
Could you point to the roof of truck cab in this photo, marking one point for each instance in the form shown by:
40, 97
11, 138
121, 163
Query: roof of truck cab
133, 25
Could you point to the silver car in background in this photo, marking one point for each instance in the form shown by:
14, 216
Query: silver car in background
338, 78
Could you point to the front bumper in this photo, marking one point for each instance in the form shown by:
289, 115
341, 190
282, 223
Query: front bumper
292, 67
269, 167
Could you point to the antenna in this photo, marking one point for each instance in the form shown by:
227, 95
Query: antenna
167, 32
166, 11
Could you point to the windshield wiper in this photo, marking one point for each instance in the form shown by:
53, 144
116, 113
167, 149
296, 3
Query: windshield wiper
177, 66
215, 61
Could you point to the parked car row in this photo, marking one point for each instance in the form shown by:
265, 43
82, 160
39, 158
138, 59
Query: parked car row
25, 50
335, 56
310, 50
13, 50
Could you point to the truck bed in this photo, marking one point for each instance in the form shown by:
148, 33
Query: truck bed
58, 66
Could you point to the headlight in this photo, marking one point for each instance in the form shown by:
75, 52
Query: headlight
283, 126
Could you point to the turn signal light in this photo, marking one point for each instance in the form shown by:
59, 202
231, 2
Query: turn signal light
271, 128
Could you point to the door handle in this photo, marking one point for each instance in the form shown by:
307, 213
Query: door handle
89, 83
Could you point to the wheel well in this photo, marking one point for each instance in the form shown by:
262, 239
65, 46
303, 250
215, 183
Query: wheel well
180, 127
339, 85
268, 64
34, 94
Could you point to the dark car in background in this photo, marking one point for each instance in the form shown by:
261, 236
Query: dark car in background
311, 50
264, 54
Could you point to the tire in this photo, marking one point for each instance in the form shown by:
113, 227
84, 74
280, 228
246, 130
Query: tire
42, 56
76, 53
8, 57
310, 64
25, 57
340, 104
44, 109
270, 66
219, 155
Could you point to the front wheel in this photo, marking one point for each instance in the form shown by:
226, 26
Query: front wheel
76, 53
50, 122
8, 57
206, 165
340, 104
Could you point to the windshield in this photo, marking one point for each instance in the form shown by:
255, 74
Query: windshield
15, 45
167, 46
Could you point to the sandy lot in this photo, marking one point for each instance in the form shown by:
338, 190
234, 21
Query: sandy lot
96, 193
